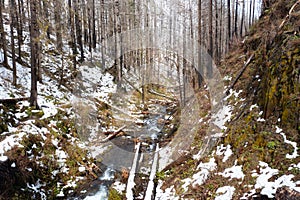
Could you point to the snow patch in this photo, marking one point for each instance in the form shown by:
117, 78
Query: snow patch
261, 119
222, 116
81, 169
233, 93
227, 78
200, 177
253, 106
37, 188
294, 166
226, 151
120, 187
269, 188
168, 194
294, 144
8, 143
233, 172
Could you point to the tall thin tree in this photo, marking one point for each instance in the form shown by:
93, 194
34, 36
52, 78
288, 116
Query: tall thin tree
72, 35
12, 11
94, 34
250, 13
58, 24
236, 19
3, 37
78, 27
20, 18
242, 19
200, 69
253, 11
228, 23
34, 46
210, 38
217, 56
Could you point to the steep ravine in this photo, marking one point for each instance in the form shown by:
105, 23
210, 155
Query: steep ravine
257, 157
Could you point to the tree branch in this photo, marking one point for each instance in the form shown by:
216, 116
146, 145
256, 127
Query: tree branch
240, 74
288, 15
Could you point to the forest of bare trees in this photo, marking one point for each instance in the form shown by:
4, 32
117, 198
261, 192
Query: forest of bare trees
76, 26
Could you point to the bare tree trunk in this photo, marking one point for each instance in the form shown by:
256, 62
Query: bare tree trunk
210, 39
89, 26
84, 16
20, 15
221, 29
250, 13
253, 11
236, 19
117, 30
78, 29
242, 19
34, 35
200, 67
177, 65
192, 38
58, 25
13, 52
94, 36
184, 63
39, 56
47, 16
217, 56
3, 43
228, 22
102, 33
72, 35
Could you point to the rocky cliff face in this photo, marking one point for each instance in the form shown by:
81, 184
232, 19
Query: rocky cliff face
278, 63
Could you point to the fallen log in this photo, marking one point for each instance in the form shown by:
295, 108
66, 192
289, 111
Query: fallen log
130, 182
122, 111
150, 187
14, 100
146, 113
161, 95
112, 134
133, 86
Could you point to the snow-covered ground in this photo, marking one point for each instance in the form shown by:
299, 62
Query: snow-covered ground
53, 100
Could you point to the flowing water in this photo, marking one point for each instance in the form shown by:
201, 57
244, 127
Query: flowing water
106, 180
149, 134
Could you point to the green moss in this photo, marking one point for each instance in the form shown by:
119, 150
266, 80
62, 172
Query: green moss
187, 173
271, 145
114, 195
32, 112
160, 175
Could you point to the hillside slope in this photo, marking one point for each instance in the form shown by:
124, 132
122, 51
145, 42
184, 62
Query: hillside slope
257, 157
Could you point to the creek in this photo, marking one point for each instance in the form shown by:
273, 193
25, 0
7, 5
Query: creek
153, 125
